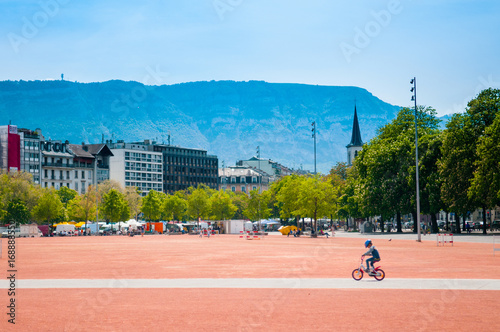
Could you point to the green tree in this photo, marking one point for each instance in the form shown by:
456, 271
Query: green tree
386, 166
486, 181
83, 207
315, 199
198, 203
258, 206
221, 206
175, 207
16, 212
240, 200
349, 201
287, 198
429, 180
114, 207
18, 186
134, 200
340, 170
49, 206
456, 166
66, 194
106, 186
481, 112
152, 206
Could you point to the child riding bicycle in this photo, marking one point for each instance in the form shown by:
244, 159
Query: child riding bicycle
372, 251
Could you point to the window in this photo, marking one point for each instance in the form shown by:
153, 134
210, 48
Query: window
254, 188
83, 174
76, 186
76, 177
243, 189
233, 189
233, 180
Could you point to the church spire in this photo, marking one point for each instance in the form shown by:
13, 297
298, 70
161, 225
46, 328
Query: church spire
356, 133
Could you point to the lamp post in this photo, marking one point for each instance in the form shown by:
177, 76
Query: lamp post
260, 184
96, 198
414, 98
314, 136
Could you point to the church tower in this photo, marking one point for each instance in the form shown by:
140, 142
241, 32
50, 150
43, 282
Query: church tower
356, 143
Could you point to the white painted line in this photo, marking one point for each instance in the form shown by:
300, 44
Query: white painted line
286, 283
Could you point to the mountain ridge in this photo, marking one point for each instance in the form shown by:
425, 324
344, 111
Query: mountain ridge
226, 118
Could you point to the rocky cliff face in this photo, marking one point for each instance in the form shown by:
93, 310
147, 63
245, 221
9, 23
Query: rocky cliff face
229, 119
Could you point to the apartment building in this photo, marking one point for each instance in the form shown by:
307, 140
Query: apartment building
273, 169
10, 147
243, 179
134, 165
30, 152
184, 168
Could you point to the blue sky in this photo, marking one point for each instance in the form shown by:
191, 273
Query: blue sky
452, 47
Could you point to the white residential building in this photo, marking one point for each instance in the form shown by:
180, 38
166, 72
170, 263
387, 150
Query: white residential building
133, 165
272, 168
242, 179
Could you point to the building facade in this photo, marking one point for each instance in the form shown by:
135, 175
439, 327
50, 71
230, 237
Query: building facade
102, 155
53, 163
57, 166
243, 179
184, 168
134, 165
10, 149
272, 168
30, 152
68, 165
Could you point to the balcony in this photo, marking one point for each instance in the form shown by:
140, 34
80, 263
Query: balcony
54, 177
57, 165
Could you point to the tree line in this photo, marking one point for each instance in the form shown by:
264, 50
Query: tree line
293, 197
459, 170
459, 167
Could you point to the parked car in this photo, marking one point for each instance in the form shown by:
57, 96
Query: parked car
479, 226
495, 225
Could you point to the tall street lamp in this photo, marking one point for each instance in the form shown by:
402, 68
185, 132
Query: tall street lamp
414, 98
314, 136
260, 185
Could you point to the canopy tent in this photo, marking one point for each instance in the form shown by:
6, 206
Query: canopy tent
133, 222
61, 223
120, 224
80, 224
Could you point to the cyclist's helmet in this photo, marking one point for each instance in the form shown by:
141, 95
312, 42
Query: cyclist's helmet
367, 242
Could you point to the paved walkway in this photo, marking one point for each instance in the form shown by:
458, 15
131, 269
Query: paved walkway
476, 237
256, 283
